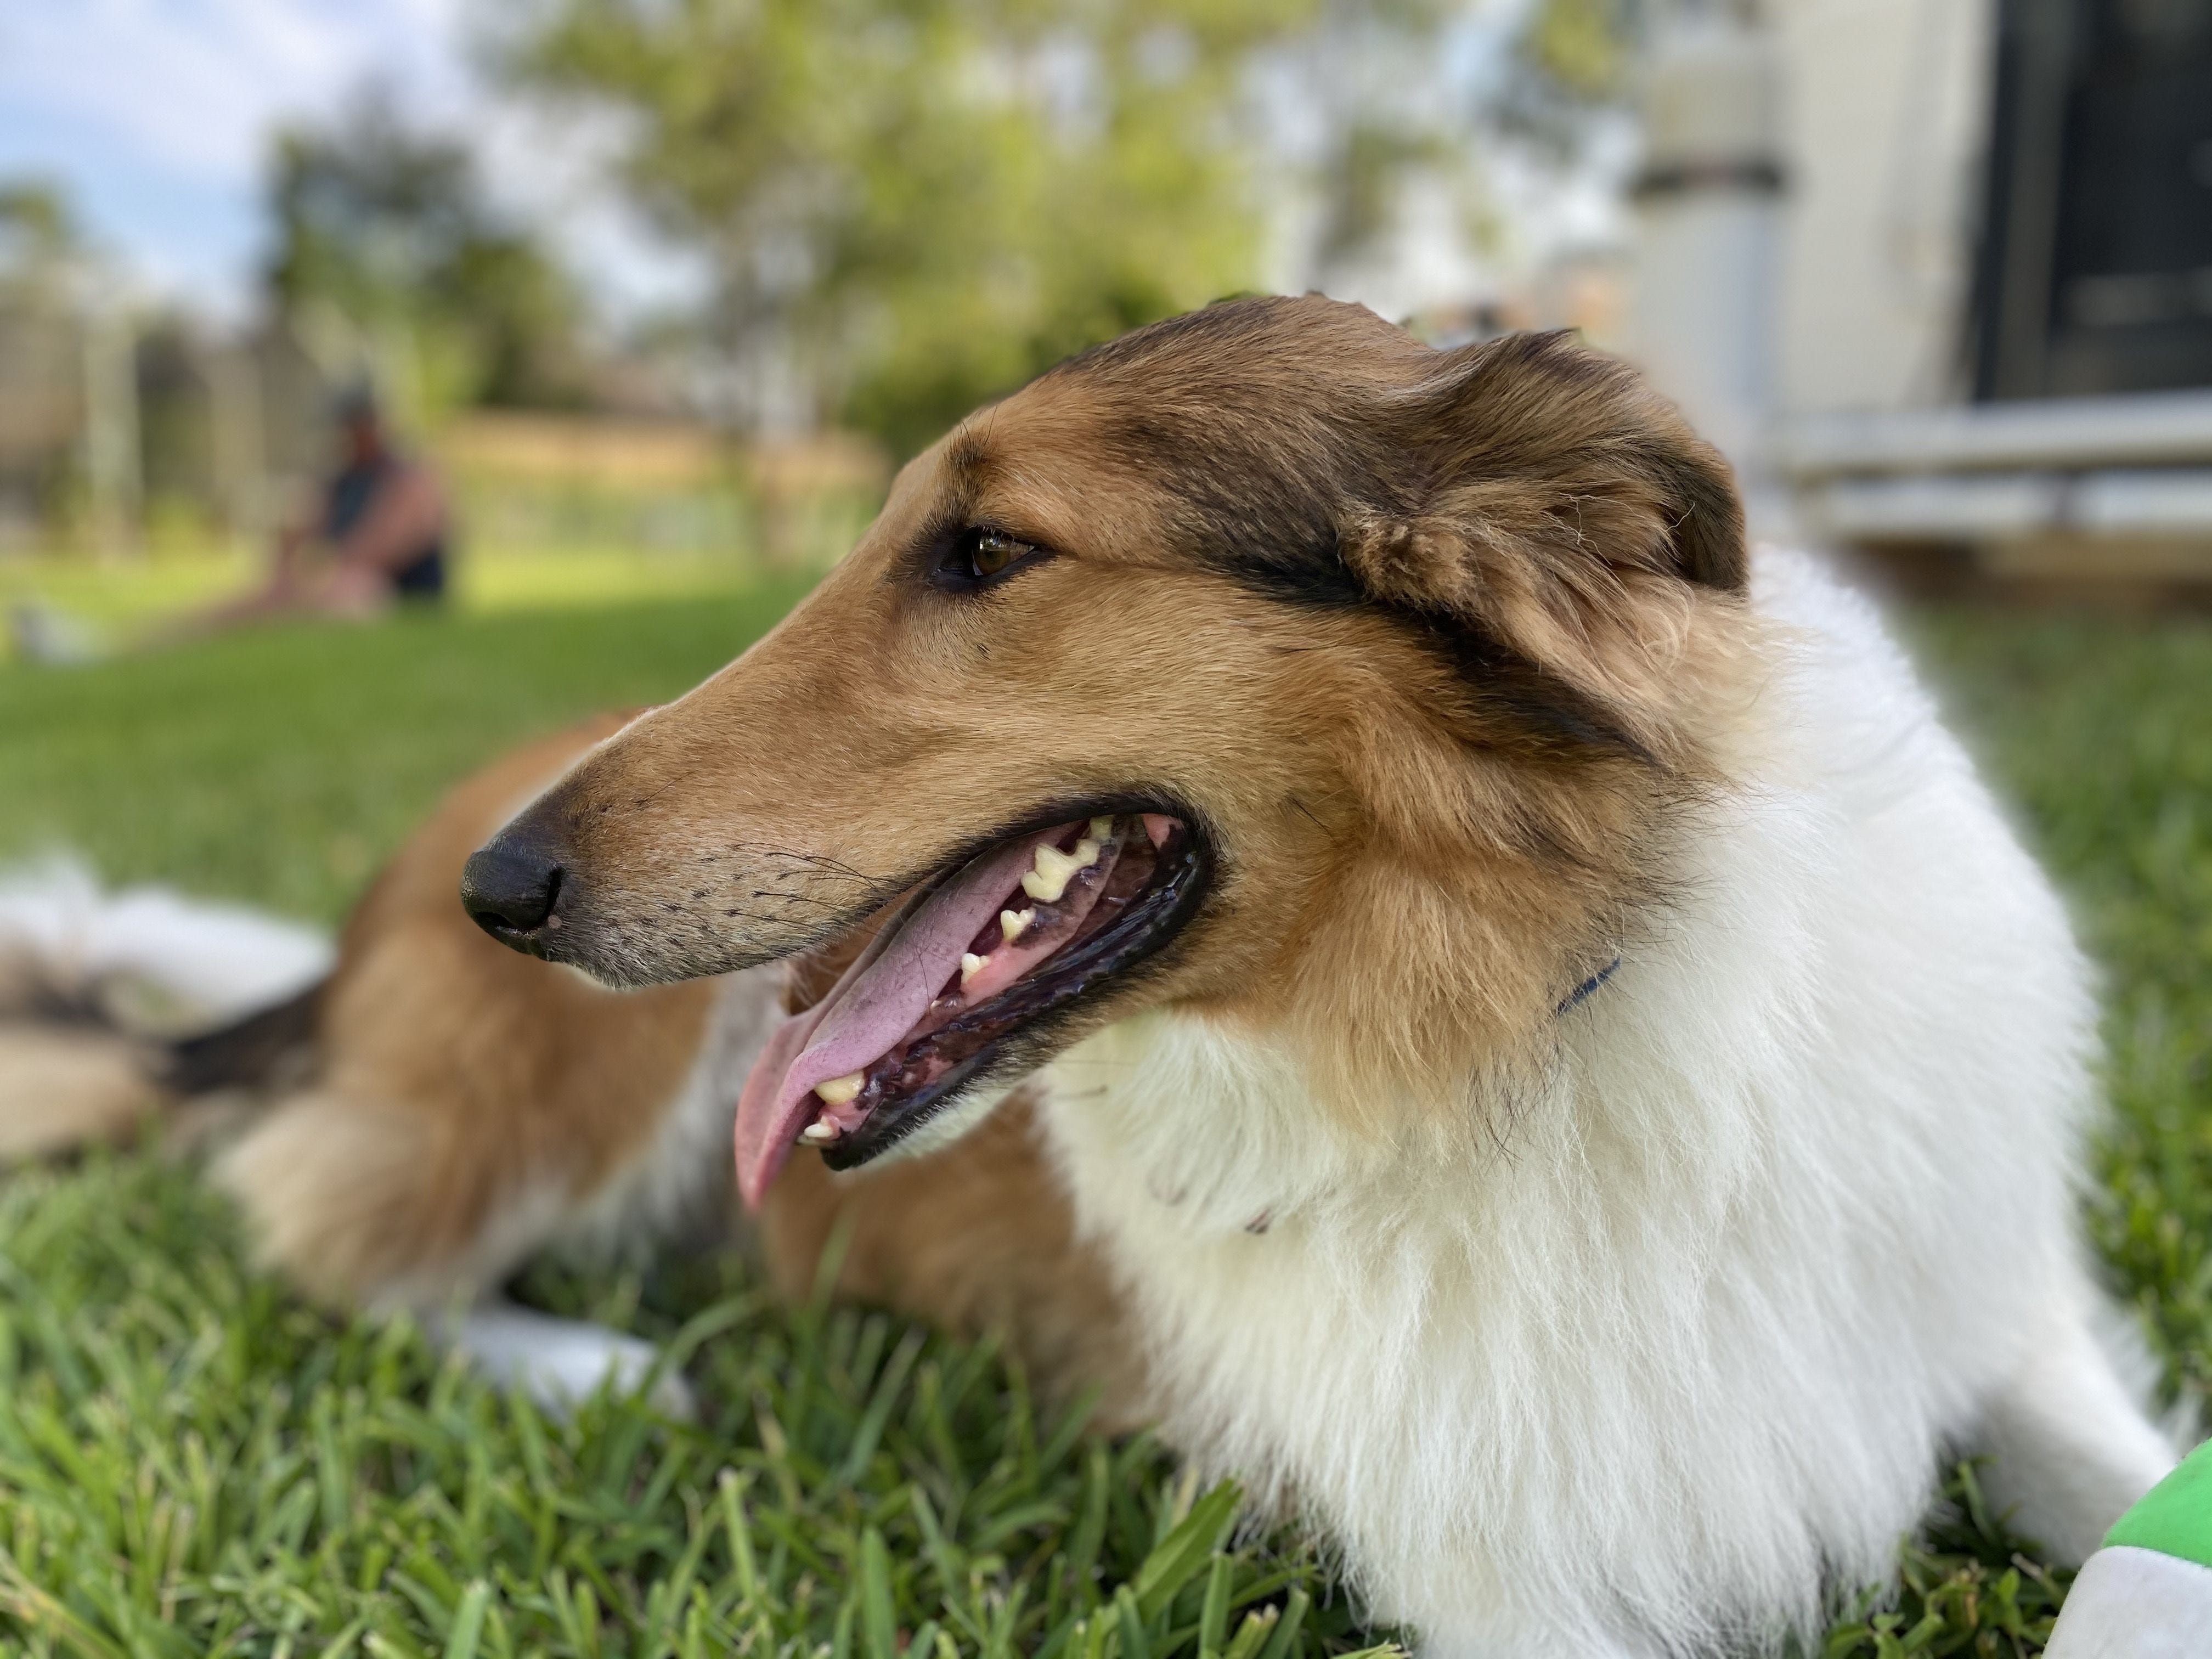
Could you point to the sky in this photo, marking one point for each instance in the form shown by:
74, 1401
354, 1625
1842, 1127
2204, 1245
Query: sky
155, 117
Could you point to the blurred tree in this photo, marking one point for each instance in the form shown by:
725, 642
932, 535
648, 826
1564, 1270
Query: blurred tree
1582, 46
389, 227
1576, 59
43, 264
39, 240
910, 206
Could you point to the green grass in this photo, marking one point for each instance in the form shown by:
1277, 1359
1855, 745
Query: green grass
283, 765
191, 1462
2101, 733
116, 598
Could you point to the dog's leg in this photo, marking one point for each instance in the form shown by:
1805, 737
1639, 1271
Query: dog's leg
359, 1202
559, 1363
2070, 1445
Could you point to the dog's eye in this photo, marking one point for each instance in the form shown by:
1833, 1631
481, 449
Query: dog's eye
993, 552
982, 555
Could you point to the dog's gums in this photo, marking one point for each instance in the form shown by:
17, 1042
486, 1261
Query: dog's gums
1016, 933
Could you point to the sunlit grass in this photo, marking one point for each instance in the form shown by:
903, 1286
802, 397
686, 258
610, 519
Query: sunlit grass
118, 593
283, 763
116, 599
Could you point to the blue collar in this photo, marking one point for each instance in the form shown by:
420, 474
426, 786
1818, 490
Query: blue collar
1582, 991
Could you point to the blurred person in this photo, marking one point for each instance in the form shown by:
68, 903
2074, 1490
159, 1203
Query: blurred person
382, 520
377, 534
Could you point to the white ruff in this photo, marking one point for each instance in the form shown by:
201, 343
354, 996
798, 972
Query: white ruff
1656, 1345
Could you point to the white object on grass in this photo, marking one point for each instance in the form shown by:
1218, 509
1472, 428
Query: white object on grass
561, 1362
2148, 1593
159, 964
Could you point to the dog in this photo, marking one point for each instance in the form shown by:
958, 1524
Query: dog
1579, 1092
407, 1117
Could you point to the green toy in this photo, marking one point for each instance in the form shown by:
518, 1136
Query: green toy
2148, 1593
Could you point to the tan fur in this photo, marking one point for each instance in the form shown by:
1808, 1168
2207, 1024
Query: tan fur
62, 1089
1434, 806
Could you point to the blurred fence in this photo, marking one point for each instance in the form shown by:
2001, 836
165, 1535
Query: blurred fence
115, 427
117, 435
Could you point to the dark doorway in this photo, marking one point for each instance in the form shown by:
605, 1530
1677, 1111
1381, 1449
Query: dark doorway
2095, 268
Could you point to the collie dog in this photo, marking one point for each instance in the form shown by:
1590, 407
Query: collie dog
1568, 1082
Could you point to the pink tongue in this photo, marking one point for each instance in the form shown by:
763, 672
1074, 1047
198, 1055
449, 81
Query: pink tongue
879, 999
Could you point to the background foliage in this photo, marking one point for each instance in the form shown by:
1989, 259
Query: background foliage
385, 229
910, 206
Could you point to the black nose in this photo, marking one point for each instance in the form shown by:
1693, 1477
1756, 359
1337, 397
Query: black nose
510, 888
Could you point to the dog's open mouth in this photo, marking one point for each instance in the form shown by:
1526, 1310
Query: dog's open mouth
1016, 933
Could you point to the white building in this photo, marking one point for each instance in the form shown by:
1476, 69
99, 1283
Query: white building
1939, 272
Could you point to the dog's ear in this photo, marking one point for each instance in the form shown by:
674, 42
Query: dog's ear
1564, 513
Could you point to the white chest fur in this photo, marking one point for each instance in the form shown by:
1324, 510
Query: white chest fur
1642, 1350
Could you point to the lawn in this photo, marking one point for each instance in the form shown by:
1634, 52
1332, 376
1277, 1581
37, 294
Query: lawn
114, 599
191, 1463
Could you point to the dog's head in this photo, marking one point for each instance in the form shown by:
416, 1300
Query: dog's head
1264, 663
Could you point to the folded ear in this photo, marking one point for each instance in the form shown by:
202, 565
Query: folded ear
1565, 514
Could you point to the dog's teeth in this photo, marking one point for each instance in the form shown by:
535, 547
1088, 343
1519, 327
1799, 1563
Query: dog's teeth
971, 965
1011, 923
1101, 828
1055, 869
820, 1132
840, 1090
1045, 883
